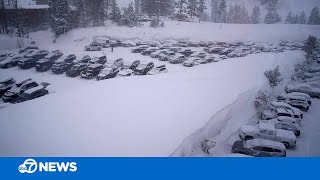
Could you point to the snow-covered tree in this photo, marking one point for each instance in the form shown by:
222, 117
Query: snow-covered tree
215, 10
302, 18
244, 16
255, 15
274, 77
272, 16
137, 6
289, 18
314, 18
115, 15
157, 7
203, 16
129, 17
222, 11
311, 48
59, 16
192, 7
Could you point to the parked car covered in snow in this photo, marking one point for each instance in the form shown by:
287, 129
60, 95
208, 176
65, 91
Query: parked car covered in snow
149, 51
191, 62
166, 56
11, 62
91, 71
76, 69
125, 73
98, 60
107, 73
140, 49
32, 93
186, 52
93, 47
27, 63
313, 92
158, 53
85, 59
6, 84
259, 148
199, 54
299, 95
54, 55
279, 124
158, 70
31, 47
298, 102
296, 111
268, 131
143, 69
17, 89
274, 113
177, 59
134, 65
44, 65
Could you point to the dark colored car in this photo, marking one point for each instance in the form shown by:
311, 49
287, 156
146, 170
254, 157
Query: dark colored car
149, 51
32, 93
187, 52
44, 65
107, 74
17, 89
61, 67
139, 49
134, 65
70, 58
91, 71
27, 63
259, 148
99, 60
76, 69
143, 69
6, 84
10, 62
85, 59
54, 55
28, 48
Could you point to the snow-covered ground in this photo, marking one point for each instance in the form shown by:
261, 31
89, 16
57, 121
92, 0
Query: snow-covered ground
150, 115
135, 116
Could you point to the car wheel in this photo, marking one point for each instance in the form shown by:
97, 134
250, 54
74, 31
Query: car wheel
248, 138
286, 145
297, 133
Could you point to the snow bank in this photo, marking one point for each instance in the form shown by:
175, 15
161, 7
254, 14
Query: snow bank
135, 116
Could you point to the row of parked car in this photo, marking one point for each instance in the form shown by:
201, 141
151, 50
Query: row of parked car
280, 125
86, 67
12, 91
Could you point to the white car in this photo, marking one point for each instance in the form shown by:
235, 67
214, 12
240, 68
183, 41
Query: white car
296, 111
177, 59
191, 62
93, 47
125, 73
274, 113
298, 102
158, 53
268, 131
289, 120
158, 70
166, 57
299, 95
312, 91
199, 54
279, 124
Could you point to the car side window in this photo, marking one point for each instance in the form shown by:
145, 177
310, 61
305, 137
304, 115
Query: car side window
267, 149
270, 133
283, 114
257, 148
276, 150
263, 132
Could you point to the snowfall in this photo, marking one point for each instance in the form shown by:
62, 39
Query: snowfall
162, 115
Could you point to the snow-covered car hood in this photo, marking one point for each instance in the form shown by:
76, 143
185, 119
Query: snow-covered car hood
286, 134
247, 129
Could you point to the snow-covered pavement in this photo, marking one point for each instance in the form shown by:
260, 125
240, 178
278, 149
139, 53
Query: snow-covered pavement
308, 145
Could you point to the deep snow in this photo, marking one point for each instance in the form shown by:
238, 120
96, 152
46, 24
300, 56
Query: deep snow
135, 116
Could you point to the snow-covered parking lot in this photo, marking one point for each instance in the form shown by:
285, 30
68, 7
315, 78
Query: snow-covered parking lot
135, 116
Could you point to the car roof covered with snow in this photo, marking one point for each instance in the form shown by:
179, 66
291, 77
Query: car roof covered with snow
264, 143
266, 126
32, 90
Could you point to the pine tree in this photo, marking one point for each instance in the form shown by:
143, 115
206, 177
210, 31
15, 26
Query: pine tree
255, 15
296, 19
231, 14
314, 18
244, 15
215, 11
272, 16
302, 18
115, 11
157, 7
289, 18
201, 11
137, 6
192, 8
59, 16
311, 47
223, 11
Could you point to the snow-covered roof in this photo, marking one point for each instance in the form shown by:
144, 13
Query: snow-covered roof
266, 126
265, 143
29, 91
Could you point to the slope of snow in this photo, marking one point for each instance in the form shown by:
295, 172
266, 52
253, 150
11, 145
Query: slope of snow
135, 116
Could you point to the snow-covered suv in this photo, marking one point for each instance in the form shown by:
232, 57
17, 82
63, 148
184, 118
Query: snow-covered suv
176, 59
268, 131
314, 92
296, 111
285, 125
274, 113
93, 47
